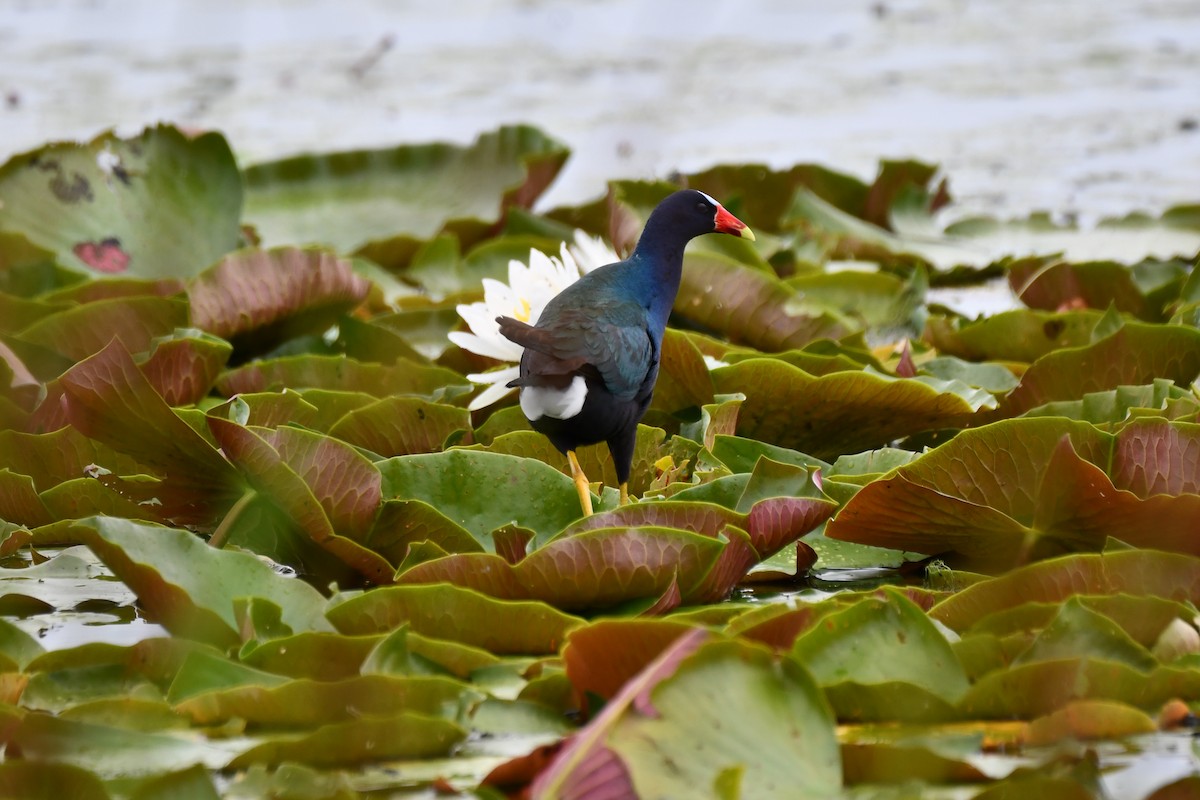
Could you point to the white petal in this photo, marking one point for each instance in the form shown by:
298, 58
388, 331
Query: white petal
498, 348
496, 390
591, 252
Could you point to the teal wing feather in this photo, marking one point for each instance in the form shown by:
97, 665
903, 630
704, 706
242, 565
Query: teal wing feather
610, 338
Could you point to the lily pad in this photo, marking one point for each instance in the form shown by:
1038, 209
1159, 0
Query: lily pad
358, 200
155, 205
503, 627
484, 491
190, 587
844, 412
259, 298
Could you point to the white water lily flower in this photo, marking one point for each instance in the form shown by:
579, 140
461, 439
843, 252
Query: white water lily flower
528, 290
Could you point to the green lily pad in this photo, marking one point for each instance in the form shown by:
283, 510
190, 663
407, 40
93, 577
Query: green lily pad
396, 426
484, 491
863, 654
358, 200
1137, 353
1021, 335
190, 587
503, 627
844, 412
156, 205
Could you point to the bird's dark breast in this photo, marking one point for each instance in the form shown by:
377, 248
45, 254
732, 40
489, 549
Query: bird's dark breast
603, 417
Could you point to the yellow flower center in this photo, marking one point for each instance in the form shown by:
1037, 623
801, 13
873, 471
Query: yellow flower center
522, 311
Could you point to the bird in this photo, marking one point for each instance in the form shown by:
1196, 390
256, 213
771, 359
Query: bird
590, 364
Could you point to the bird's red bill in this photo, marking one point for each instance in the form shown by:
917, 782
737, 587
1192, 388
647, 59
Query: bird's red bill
725, 222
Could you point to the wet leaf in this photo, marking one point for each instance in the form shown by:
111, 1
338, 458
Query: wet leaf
189, 587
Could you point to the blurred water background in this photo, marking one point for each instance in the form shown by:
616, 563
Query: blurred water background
1080, 107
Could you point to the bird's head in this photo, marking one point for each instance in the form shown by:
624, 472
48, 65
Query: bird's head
694, 212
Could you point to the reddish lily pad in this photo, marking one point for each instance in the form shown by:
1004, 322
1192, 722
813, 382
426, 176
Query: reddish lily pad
107, 398
184, 366
275, 481
1020, 490
1135, 572
344, 374
269, 296
590, 569
751, 307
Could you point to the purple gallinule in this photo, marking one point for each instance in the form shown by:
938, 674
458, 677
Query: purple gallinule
591, 362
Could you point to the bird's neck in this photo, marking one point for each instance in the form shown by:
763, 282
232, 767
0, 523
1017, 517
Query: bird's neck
660, 268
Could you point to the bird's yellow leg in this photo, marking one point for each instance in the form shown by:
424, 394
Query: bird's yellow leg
581, 483
625, 493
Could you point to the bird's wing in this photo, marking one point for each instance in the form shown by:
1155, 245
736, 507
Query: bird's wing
611, 341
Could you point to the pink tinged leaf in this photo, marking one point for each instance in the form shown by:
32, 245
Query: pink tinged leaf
581, 765
511, 542
104, 256
268, 473
251, 289
1155, 457
347, 485
183, 371
778, 521
670, 600
107, 398
906, 368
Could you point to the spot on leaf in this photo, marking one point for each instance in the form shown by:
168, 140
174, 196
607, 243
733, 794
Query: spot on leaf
103, 256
